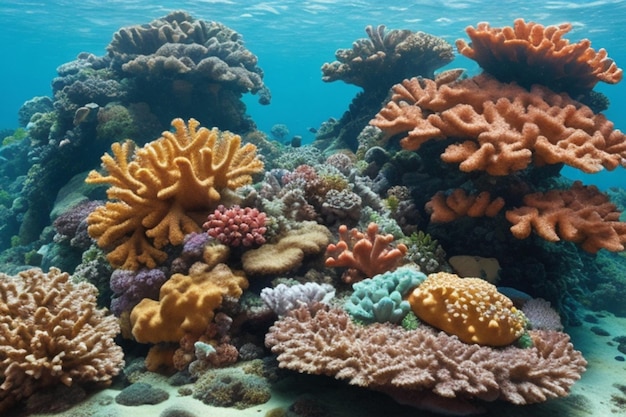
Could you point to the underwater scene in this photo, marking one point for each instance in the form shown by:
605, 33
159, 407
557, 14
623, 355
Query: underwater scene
317, 208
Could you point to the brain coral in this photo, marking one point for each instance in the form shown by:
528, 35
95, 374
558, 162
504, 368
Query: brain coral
154, 198
51, 333
470, 308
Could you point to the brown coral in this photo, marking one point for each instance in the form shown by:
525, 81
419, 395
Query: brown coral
388, 358
503, 128
364, 254
582, 214
529, 53
446, 208
158, 196
51, 332
387, 56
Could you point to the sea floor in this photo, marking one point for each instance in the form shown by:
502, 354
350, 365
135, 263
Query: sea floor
601, 392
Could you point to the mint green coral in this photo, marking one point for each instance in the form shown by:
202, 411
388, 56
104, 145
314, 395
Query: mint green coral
382, 298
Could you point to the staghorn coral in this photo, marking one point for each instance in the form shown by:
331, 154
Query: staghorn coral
470, 308
503, 127
446, 208
364, 254
186, 304
410, 364
387, 56
529, 53
51, 333
155, 196
581, 214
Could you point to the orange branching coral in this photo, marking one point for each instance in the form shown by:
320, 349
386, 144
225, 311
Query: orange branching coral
582, 214
470, 308
364, 254
412, 364
51, 333
446, 208
503, 127
529, 53
165, 190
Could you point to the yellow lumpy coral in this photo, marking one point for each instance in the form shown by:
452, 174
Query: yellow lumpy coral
186, 304
470, 308
163, 191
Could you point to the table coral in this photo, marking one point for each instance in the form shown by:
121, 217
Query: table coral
51, 332
470, 308
529, 53
407, 364
503, 128
156, 194
186, 305
581, 214
364, 254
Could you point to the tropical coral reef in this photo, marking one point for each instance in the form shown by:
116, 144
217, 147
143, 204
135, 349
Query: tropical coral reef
53, 333
154, 197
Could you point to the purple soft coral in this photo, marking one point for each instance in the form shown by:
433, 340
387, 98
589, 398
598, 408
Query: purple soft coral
130, 287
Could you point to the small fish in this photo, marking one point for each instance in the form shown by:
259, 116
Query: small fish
312, 130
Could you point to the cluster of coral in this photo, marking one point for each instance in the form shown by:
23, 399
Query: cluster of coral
218, 253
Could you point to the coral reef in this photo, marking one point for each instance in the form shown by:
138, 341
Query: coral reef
529, 53
364, 254
420, 366
470, 308
155, 197
52, 333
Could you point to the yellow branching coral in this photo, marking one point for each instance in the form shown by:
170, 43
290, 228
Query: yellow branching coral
52, 332
162, 192
470, 308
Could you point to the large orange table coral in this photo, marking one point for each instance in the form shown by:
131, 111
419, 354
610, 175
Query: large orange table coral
529, 53
582, 214
166, 190
501, 128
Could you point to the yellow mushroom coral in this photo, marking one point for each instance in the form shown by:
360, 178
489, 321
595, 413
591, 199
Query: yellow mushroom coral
470, 308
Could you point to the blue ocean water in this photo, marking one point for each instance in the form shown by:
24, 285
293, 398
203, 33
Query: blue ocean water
292, 39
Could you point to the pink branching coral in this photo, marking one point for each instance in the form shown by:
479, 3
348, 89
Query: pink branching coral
364, 254
237, 226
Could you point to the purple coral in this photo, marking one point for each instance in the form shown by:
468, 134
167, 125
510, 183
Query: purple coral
130, 287
237, 226
72, 224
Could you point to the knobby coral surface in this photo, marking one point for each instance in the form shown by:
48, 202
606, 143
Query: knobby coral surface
51, 332
501, 128
157, 194
364, 254
529, 53
405, 363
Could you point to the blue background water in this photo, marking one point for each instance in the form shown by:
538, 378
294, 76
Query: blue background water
292, 40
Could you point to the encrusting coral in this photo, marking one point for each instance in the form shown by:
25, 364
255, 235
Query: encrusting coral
529, 53
417, 364
364, 254
157, 195
470, 308
51, 332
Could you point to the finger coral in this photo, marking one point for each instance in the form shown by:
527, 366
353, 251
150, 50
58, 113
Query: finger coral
581, 214
502, 128
529, 53
51, 332
157, 192
446, 208
470, 308
364, 254
407, 364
